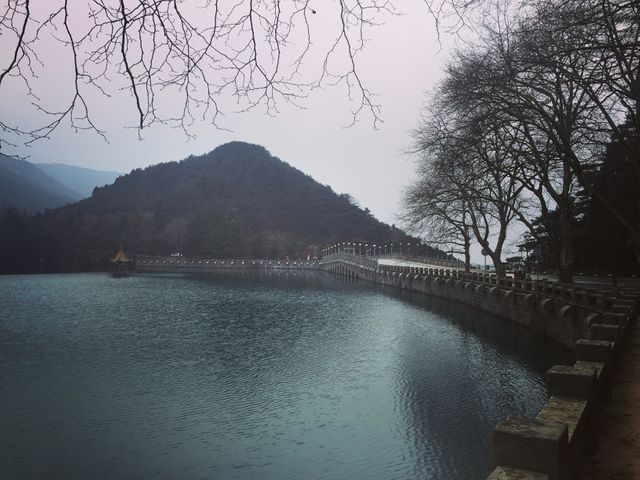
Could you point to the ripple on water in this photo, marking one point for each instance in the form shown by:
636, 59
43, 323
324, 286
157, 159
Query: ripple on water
250, 377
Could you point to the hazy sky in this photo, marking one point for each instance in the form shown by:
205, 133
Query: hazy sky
402, 62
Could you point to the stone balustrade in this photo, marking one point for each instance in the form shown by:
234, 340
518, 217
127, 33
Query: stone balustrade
595, 323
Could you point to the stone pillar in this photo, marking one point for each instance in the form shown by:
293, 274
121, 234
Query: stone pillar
531, 444
611, 333
594, 350
572, 381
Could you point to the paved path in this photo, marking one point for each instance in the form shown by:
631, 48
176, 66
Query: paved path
617, 456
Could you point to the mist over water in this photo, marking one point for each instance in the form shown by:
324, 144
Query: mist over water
244, 376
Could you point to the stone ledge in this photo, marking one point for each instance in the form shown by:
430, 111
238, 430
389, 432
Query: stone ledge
532, 444
509, 473
611, 333
571, 411
594, 350
572, 381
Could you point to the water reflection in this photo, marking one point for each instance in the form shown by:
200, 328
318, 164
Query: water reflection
474, 374
273, 376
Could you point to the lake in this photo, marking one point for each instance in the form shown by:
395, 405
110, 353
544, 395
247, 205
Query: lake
253, 376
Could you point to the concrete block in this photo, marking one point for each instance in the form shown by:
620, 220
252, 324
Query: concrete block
509, 473
532, 444
611, 333
631, 296
603, 376
600, 367
593, 318
620, 308
529, 300
566, 312
625, 300
609, 318
546, 305
572, 381
571, 411
594, 350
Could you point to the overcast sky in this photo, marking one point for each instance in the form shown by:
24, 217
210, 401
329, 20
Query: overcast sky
402, 63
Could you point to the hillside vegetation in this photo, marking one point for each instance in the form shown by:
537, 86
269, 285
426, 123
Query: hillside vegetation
236, 201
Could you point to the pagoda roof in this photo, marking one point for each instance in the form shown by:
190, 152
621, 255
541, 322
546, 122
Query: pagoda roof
120, 257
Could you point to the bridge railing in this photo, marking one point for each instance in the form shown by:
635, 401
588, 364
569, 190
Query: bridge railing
150, 260
438, 261
352, 259
593, 299
442, 262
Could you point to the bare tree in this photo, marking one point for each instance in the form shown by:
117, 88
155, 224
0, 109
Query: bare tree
436, 211
602, 38
177, 59
465, 176
554, 124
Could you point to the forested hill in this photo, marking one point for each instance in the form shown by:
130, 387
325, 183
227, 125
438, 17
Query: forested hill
26, 188
236, 201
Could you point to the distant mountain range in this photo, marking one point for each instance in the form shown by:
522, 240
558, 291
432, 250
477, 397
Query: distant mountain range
27, 188
33, 188
78, 179
236, 201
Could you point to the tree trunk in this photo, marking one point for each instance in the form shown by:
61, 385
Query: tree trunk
566, 260
467, 255
500, 267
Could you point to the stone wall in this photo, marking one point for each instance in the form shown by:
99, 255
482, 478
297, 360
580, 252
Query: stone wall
561, 313
593, 322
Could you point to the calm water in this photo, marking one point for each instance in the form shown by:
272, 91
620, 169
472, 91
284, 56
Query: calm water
252, 377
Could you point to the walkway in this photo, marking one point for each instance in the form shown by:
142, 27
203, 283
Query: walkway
618, 454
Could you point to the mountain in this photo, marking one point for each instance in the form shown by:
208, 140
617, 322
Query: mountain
78, 179
236, 201
26, 188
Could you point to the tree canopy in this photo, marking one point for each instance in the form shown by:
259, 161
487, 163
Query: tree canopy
523, 117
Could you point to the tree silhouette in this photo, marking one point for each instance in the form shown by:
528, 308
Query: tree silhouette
178, 60
261, 52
